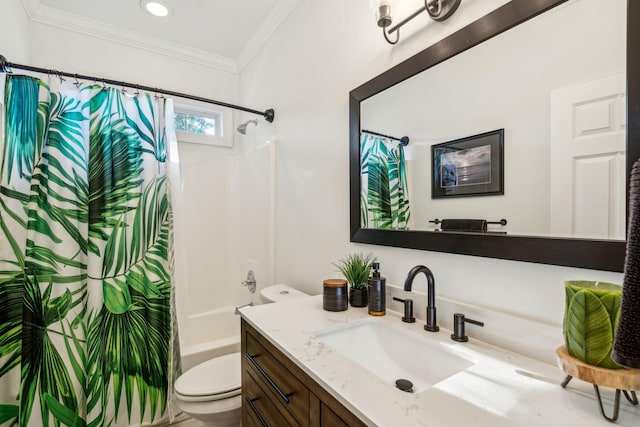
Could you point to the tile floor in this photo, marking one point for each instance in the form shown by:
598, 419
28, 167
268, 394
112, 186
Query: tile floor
189, 422
182, 421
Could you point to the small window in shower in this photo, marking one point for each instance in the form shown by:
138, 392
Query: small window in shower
197, 123
204, 125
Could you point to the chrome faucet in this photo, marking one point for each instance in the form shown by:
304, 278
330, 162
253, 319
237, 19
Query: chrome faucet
432, 324
243, 306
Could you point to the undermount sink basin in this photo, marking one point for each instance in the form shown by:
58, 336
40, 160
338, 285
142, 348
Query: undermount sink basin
393, 353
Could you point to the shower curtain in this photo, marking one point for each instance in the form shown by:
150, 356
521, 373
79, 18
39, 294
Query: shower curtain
384, 202
86, 320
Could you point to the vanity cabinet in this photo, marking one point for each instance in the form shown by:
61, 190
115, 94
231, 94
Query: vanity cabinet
276, 392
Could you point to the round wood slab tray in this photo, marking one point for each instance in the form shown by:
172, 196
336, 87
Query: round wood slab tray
620, 379
623, 380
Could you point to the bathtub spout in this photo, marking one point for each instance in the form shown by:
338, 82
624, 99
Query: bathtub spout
242, 306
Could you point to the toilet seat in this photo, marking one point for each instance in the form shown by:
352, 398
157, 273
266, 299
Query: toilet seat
215, 379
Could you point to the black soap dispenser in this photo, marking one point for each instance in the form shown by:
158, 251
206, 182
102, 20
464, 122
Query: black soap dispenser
376, 291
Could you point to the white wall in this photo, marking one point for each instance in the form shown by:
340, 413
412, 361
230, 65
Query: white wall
55, 48
14, 23
211, 213
321, 52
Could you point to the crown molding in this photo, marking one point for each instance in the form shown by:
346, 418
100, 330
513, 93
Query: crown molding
264, 32
42, 14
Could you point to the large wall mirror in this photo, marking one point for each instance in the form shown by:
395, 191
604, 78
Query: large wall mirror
557, 78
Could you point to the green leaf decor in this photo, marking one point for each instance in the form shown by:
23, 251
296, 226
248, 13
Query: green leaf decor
87, 330
384, 201
591, 318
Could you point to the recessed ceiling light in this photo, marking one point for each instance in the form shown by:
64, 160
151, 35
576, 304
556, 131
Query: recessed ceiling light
155, 7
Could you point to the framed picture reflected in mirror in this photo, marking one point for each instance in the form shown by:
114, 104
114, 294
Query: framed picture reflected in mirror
471, 166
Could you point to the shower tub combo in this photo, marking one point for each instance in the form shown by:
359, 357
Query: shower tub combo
211, 334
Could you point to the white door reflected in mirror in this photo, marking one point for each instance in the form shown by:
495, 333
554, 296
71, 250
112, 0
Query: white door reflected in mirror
588, 159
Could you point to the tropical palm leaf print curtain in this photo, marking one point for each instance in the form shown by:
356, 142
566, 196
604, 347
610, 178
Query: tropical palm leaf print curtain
86, 326
384, 201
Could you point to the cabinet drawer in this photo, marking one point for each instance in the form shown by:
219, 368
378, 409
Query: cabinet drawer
285, 389
258, 409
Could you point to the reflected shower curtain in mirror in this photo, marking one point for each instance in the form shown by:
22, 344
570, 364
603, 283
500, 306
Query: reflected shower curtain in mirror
86, 320
384, 201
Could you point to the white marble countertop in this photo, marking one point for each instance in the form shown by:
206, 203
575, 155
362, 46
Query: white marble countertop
501, 389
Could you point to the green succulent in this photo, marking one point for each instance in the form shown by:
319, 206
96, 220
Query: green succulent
356, 268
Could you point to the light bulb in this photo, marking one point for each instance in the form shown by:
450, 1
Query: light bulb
156, 8
382, 9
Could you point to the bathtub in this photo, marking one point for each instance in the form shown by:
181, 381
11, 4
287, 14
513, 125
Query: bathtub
211, 334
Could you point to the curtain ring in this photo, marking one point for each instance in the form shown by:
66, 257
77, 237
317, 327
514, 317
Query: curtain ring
76, 83
59, 73
4, 65
123, 90
104, 85
137, 90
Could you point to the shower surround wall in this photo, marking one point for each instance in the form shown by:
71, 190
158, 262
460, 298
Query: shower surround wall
216, 191
226, 217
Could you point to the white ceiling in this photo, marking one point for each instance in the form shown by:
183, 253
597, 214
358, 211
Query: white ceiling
223, 34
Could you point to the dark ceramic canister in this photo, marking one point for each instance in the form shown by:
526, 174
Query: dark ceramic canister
335, 295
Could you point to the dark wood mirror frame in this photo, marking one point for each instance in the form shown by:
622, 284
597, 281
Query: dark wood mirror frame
605, 255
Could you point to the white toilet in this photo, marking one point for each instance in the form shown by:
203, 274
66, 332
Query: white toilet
210, 392
279, 292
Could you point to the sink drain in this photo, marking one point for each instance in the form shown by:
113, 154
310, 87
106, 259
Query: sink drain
404, 385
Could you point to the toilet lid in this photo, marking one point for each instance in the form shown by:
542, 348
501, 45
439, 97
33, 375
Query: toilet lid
217, 377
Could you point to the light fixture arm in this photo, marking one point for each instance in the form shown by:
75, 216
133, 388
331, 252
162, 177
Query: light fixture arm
386, 35
438, 10
407, 19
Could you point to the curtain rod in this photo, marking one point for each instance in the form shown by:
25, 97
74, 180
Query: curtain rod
404, 141
6, 66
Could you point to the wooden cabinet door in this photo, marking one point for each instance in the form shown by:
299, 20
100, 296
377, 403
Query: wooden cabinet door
328, 418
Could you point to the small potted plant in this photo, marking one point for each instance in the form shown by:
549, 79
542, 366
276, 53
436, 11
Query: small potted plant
356, 268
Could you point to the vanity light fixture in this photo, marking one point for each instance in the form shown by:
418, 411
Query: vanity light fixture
438, 10
155, 7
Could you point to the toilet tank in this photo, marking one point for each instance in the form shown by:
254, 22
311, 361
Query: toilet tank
279, 292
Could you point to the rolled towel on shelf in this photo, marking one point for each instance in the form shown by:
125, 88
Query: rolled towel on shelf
626, 346
470, 225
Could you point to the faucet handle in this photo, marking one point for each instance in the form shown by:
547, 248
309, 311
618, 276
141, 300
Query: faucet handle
408, 310
250, 282
458, 327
